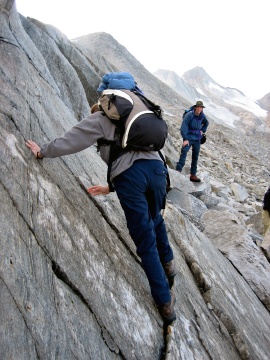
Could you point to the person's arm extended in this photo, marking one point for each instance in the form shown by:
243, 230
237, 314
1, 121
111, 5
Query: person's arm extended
184, 129
78, 138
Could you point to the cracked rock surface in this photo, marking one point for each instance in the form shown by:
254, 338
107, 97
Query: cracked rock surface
71, 284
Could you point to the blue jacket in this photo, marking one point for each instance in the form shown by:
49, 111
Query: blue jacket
192, 125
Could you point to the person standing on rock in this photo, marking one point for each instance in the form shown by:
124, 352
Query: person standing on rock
194, 125
139, 179
266, 211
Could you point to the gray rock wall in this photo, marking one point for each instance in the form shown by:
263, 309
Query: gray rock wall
71, 283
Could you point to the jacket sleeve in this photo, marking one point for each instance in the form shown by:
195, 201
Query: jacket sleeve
78, 138
185, 126
205, 124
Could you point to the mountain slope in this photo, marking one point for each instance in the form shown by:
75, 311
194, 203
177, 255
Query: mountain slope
265, 102
72, 286
225, 105
120, 58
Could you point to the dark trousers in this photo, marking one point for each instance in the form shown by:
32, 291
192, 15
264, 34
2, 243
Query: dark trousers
195, 144
141, 190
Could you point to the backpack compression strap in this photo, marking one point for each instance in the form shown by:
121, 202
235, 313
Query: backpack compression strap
125, 137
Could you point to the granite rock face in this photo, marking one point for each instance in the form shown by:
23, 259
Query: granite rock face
71, 284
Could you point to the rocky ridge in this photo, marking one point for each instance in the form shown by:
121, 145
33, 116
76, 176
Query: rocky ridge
71, 283
226, 106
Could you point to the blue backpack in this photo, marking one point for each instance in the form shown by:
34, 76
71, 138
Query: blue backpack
118, 81
187, 111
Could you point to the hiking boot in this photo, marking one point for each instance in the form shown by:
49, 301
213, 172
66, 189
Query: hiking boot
167, 311
169, 269
194, 178
170, 272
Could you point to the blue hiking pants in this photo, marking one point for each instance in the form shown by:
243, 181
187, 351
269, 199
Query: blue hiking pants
195, 144
141, 190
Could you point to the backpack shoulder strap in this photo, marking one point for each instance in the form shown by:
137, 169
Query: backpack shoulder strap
168, 185
115, 152
187, 111
149, 103
104, 142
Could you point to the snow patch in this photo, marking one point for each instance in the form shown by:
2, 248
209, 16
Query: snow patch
216, 87
200, 91
247, 104
222, 114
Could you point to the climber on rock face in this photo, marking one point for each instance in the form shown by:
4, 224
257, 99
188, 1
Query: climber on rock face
139, 179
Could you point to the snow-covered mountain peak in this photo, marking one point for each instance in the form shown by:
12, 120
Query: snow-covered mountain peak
198, 75
225, 105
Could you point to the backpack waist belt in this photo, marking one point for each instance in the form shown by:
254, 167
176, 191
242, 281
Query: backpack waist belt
196, 132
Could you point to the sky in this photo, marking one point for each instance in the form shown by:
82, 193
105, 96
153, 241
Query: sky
229, 39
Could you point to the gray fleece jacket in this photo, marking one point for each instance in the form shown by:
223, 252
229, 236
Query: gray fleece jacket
92, 128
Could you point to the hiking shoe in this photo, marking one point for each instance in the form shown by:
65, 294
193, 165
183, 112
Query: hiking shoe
169, 269
194, 178
167, 311
170, 272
